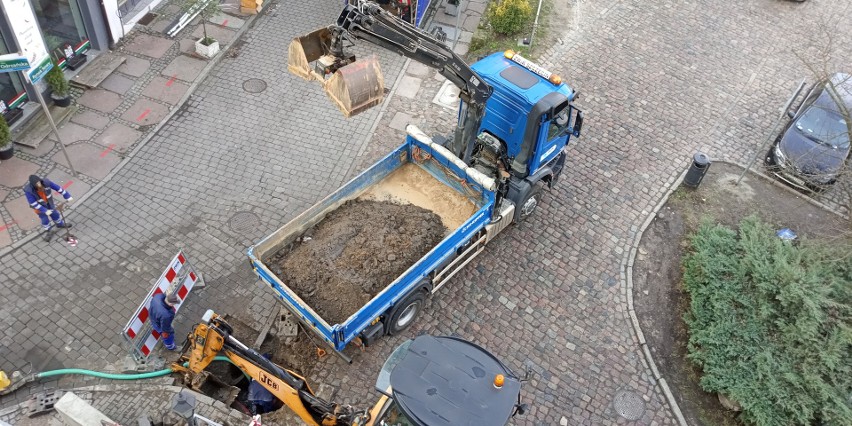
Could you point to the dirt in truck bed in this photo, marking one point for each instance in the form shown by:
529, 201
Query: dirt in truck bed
355, 252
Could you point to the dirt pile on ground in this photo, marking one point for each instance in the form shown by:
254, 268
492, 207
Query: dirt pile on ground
354, 253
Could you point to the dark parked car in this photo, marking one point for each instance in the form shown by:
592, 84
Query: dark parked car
813, 148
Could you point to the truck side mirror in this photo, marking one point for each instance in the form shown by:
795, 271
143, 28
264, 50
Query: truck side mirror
791, 113
578, 124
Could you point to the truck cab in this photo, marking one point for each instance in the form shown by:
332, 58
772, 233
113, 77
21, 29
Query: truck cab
529, 112
529, 118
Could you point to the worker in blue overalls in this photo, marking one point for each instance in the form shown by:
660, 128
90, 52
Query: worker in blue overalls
162, 314
39, 192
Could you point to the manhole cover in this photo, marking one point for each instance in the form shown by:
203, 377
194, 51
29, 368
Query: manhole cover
629, 405
254, 85
147, 18
243, 222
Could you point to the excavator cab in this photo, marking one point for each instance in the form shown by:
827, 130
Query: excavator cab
445, 380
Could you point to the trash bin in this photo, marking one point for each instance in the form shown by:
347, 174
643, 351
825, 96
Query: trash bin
697, 170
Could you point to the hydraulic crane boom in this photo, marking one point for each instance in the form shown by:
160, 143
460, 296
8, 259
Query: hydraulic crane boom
369, 22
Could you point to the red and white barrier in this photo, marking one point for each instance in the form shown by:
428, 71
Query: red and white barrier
178, 278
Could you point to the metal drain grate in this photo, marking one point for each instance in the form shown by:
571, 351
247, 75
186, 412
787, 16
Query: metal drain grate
243, 222
147, 18
254, 85
629, 405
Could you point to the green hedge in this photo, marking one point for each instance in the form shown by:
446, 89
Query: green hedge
509, 17
769, 323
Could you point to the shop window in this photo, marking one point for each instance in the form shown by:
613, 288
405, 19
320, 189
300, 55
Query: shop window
10, 82
61, 24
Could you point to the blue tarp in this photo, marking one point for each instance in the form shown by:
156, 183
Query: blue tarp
422, 5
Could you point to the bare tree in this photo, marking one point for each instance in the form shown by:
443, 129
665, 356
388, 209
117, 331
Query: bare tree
824, 52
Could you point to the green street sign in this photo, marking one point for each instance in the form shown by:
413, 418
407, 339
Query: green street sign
37, 72
13, 62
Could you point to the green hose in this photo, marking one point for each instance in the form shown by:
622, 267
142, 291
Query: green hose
113, 376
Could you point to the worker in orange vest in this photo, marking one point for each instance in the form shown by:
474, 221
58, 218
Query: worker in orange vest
39, 192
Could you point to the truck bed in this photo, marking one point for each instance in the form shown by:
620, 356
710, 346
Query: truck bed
418, 173
351, 255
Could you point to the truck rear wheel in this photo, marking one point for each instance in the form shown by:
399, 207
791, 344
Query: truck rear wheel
404, 313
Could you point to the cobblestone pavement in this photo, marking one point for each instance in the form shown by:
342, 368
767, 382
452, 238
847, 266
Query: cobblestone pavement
271, 154
657, 81
125, 403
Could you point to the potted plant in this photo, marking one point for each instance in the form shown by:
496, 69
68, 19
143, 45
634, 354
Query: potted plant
60, 90
6, 148
206, 46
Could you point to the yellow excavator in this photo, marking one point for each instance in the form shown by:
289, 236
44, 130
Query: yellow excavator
426, 381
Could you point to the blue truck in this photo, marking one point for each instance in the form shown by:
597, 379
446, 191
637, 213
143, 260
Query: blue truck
515, 121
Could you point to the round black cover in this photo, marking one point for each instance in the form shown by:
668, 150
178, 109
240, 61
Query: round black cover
450, 381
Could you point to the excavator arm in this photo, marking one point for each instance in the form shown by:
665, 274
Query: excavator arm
367, 21
213, 337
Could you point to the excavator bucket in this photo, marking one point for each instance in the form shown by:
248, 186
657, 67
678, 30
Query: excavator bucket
357, 86
353, 88
306, 49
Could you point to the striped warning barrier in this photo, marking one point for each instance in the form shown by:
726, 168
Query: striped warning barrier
178, 278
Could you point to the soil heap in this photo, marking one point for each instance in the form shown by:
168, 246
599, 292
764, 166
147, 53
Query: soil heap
354, 253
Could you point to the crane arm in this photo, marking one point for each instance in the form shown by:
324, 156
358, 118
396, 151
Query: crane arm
369, 22
213, 338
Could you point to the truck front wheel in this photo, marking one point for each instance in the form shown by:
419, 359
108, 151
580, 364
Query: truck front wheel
529, 204
404, 313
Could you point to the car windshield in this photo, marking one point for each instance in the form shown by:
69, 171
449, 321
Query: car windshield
823, 126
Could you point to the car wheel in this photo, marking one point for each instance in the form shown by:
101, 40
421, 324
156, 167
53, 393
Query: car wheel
405, 313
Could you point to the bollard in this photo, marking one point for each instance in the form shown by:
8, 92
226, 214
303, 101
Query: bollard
697, 170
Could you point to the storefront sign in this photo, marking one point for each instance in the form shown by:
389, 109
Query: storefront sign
26, 31
13, 62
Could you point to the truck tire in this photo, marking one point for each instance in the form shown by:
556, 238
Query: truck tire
404, 313
529, 204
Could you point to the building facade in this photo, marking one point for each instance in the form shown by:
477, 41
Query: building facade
67, 28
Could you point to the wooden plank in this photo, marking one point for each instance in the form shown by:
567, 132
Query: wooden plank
100, 68
270, 321
36, 130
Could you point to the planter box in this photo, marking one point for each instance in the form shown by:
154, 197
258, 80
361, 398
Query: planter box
207, 51
12, 115
76, 61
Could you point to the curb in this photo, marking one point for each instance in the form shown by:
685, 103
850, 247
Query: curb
627, 291
202, 76
630, 257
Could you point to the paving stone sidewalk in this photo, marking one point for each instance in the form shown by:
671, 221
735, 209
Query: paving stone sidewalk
113, 118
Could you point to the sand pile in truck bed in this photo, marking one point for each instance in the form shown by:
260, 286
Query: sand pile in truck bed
354, 253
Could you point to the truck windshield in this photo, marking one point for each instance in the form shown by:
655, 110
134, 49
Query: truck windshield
393, 416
